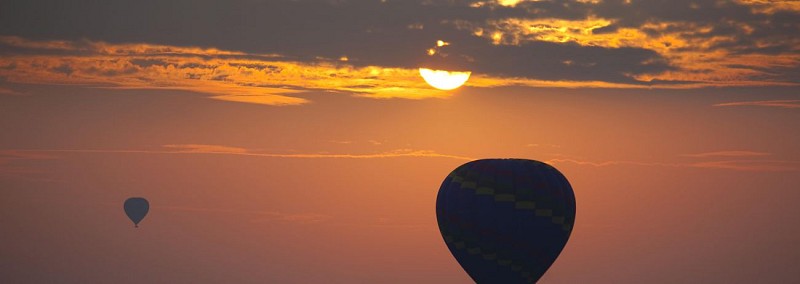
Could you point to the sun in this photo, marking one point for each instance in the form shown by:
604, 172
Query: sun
444, 80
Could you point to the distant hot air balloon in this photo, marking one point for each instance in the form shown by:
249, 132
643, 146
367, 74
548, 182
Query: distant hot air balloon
505, 220
136, 208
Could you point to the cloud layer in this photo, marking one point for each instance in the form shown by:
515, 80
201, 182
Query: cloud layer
265, 51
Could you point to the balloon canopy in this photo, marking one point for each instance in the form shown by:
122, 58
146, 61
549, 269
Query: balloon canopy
505, 220
136, 208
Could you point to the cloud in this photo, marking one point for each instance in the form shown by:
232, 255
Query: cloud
203, 148
772, 6
737, 165
609, 163
397, 153
216, 149
728, 154
10, 155
749, 165
11, 160
542, 145
227, 150
693, 43
771, 103
660, 43
226, 75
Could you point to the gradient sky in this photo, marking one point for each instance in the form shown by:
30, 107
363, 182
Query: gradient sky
295, 142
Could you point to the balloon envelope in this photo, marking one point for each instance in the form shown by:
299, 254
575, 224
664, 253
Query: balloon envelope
136, 208
505, 220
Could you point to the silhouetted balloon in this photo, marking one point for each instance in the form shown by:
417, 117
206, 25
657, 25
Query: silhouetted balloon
136, 208
505, 220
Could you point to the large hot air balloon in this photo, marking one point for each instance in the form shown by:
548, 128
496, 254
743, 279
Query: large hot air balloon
505, 220
136, 208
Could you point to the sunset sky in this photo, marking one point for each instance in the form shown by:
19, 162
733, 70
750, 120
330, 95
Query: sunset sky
296, 142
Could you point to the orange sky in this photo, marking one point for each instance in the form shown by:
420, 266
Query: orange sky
269, 160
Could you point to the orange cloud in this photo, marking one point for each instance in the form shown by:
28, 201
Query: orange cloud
608, 163
728, 154
216, 149
203, 148
738, 165
700, 57
9, 159
227, 75
752, 166
772, 103
226, 150
271, 79
772, 6
11, 155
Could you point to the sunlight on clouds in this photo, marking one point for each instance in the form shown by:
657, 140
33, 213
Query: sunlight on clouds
228, 76
265, 79
699, 58
271, 79
488, 82
772, 6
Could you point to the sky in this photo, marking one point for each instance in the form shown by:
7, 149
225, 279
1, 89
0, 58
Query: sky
296, 142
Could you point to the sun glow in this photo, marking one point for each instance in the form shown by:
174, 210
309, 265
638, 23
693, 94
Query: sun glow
444, 80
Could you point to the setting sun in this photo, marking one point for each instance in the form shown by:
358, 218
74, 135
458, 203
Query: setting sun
444, 80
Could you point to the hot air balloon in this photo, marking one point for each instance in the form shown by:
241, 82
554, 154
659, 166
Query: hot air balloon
505, 220
136, 208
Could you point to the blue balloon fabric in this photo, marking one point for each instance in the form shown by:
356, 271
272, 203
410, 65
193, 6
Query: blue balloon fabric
505, 220
136, 208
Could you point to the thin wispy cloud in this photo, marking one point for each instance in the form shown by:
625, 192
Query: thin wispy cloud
728, 154
542, 145
202, 149
737, 165
608, 163
10, 155
770, 103
11, 161
752, 166
215, 149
